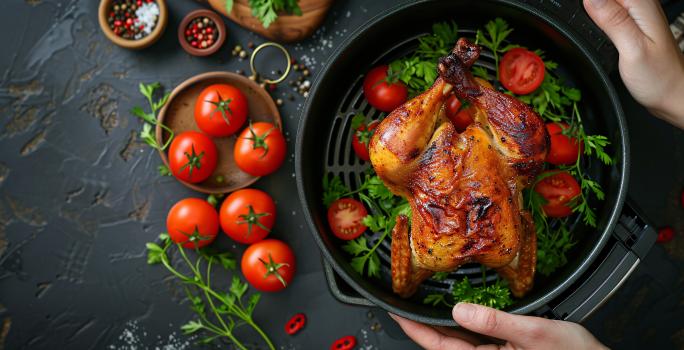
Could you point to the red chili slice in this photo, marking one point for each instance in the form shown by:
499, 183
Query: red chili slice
665, 234
345, 343
295, 324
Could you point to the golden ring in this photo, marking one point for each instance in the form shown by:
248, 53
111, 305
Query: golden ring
287, 56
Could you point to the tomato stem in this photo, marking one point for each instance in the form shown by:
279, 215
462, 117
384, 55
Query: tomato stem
259, 141
272, 269
194, 160
252, 218
221, 106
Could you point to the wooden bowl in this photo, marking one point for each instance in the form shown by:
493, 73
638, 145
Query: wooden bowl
287, 28
133, 44
220, 26
179, 115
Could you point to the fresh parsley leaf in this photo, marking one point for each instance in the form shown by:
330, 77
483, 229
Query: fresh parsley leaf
440, 276
496, 295
358, 120
229, 6
267, 10
164, 170
154, 253
333, 189
365, 258
496, 32
191, 327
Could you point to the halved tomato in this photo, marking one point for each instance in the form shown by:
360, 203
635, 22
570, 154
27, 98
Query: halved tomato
521, 71
558, 190
564, 150
344, 217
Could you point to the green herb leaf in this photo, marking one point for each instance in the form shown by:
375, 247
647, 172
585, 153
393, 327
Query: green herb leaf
267, 10
440, 276
164, 170
191, 327
154, 253
333, 189
229, 6
358, 120
237, 287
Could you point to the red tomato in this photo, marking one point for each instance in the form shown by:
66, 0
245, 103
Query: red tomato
558, 190
260, 149
193, 222
345, 343
344, 218
192, 156
268, 265
381, 95
220, 110
665, 234
361, 139
564, 150
460, 115
521, 71
247, 215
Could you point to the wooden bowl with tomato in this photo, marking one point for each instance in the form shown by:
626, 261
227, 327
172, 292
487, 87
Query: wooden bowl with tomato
246, 107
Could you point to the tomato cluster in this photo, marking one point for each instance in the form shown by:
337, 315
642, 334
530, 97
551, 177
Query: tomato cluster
220, 111
248, 215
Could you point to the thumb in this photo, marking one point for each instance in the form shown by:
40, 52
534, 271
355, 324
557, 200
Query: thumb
616, 22
523, 330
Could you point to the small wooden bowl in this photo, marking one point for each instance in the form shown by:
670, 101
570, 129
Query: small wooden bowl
179, 115
133, 44
220, 26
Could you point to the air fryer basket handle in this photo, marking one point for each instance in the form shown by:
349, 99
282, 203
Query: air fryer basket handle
633, 238
573, 13
341, 290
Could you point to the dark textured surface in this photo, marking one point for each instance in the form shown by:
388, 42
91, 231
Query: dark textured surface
80, 195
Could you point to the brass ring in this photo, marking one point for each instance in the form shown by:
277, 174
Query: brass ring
287, 56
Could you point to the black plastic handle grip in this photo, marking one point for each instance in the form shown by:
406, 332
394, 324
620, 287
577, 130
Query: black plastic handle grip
340, 289
633, 238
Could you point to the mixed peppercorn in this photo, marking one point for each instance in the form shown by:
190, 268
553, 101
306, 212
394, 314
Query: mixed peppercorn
133, 19
201, 33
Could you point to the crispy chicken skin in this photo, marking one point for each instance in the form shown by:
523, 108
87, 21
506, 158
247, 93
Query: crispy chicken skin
464, 189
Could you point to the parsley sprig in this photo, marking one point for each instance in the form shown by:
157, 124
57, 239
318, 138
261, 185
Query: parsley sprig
219, 314
267, 10
496, 295
494, 38
150, 119
419, 70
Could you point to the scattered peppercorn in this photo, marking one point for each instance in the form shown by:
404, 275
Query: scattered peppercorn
133, 19
201, 33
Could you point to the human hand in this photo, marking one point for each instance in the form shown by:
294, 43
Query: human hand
518, 332
651, 65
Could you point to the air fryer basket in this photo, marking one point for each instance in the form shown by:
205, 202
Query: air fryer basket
324, 139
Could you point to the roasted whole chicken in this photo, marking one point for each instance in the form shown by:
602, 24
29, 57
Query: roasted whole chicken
464, 188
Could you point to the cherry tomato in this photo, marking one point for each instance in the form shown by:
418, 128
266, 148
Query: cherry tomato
295, 324
361, 139
247, 215
260, 149
192, 156
268, 265
665, 234
521, 71
193, 222
345, 343
558, 190
220, 110
380, 94
564, 150
344, 217
460, 115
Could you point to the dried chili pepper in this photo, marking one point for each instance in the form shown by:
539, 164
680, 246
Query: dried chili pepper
295, 324
345, 343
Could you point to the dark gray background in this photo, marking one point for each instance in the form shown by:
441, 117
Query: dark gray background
80, 196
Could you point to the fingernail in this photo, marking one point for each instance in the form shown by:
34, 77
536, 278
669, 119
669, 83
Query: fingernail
464, 311
597, 3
